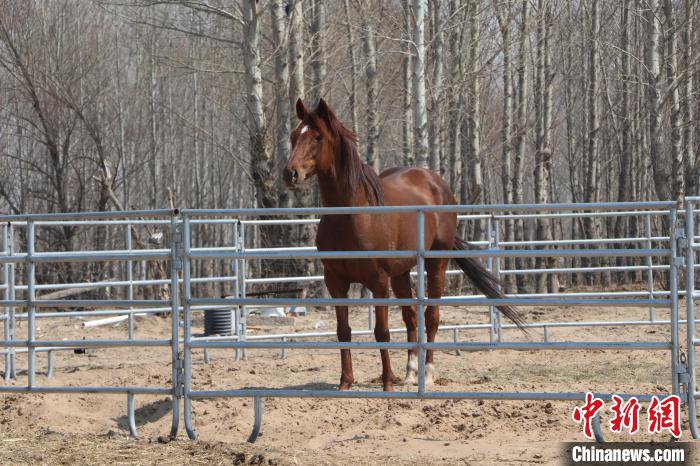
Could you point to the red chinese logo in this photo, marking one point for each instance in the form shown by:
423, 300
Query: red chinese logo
665, 415
587, 412
662, 415
626, 415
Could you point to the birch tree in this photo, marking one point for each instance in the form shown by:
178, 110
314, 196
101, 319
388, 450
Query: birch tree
471, 154
677, 168
420, 118
296, 54
503, 15
543, 155
688, 143
653, 97
437, 10
370, 51
282, 120
262, 164
521, 128
352, 96
407, 124
318, 61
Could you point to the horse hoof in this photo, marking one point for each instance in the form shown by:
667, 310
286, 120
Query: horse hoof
344, 386
389, 387
410, 379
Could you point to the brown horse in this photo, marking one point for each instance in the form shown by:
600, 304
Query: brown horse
322, 146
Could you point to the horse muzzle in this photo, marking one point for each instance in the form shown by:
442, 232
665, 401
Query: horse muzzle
292, 178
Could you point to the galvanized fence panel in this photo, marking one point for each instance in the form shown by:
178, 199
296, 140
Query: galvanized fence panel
670, 248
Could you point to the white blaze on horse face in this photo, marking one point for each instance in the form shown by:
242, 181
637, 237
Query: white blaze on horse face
304, 129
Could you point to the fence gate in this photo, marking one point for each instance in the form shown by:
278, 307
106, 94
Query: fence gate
690, 378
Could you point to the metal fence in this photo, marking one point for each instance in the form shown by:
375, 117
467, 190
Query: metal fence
668, 249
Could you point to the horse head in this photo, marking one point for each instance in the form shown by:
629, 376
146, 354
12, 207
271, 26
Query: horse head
314, 144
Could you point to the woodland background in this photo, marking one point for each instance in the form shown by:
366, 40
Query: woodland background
110, 105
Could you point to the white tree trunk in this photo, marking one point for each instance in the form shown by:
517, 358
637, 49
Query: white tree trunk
473, 105
592, 182
503, 15
677, 178
521, 128
318, 62
543, 156
353, 66
262, 165
372, 97
436, 111
420, 119
296, 55
693, 171
660, 171
282, 120
407, 130
453, 161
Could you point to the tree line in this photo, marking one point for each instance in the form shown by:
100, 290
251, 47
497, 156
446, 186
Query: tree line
121, 104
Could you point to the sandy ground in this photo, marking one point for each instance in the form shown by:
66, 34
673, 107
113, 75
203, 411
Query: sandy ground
70, 429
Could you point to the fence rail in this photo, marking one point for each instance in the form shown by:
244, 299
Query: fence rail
674, 251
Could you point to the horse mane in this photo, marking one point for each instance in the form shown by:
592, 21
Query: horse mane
350, 170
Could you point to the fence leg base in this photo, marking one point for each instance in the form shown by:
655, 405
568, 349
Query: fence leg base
49, 367
176, 418
191, 433
206, 356
257, 424
597, 431
131, 413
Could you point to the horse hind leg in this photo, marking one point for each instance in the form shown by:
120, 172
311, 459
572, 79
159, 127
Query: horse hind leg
435, 269
401, 285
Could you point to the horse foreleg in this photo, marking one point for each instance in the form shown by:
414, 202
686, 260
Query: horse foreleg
339, 289
344, 333
381, 332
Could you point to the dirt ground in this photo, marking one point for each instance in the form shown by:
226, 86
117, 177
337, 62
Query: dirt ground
80, 428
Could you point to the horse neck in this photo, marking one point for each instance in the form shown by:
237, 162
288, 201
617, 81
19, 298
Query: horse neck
334, 193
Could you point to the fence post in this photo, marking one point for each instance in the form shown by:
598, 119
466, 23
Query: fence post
497, 273
690, 315
235, 291
489, 262
30, 277
12, 328
130, 278
175, 267
6, 292
187, 337
675, 261
241, 326
650, 267
420, 298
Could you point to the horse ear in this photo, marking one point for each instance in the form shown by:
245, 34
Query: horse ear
301, 109
325, 112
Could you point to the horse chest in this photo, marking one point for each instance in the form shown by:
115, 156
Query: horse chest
360, 234
339, 233
345, 234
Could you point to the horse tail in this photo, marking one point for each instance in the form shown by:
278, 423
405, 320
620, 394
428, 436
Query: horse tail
486, 282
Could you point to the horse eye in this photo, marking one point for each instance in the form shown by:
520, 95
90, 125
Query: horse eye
318, 138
